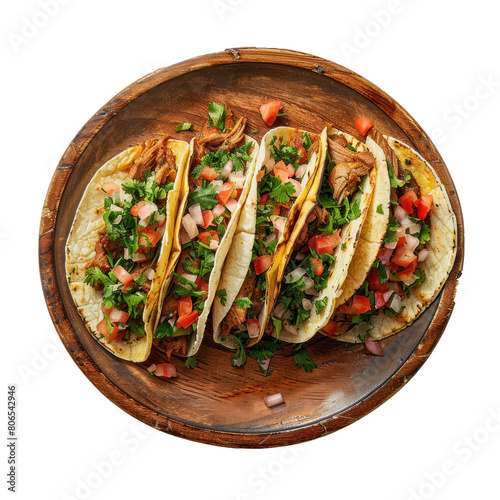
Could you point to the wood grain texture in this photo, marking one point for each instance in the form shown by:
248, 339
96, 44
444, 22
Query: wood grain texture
215, 403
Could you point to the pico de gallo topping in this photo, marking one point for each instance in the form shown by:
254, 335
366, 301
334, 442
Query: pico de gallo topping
129, 245
216, 183
395, 270
312, 260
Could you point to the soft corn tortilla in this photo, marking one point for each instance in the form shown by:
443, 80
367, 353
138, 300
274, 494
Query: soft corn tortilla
228, 242
239, 257
344, 252
442, 249
80, 250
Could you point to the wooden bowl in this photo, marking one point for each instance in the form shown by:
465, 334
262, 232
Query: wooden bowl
216, 403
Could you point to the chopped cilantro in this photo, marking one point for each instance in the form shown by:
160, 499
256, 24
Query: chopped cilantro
190, 363
380, 210
216, 114
222, 294
205, 196
303, 359
243, 303
321, 304
183, 126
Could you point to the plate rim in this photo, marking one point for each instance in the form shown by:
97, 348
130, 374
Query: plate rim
327, 69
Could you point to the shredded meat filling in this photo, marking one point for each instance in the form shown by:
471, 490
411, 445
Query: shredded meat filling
236, 316
340, 154
154, 154
345, 177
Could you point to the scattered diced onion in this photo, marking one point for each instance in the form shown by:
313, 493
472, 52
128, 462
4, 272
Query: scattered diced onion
264, 364
270, 238
214, 244
143, 222
218, 210
411, 242
161, 230
278, 310
227, 169
295, 275
115, 208
301, 171
190, 226
409, 280
287, 315
118, 219
300, 257
218, 184
152, 369
297, 186
237, 179
422, 255
184, 237
400, 232
391, 245
189, 277
290, 328
253, 330
396, 303
270, 164
307, 304
274, 400
374, 347
126, 253
414, 228
400, 214
279, 222
308, 283
149, 273
231, 204
126, 197
196, 214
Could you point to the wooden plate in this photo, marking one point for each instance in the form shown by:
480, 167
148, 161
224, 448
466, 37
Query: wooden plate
215, 403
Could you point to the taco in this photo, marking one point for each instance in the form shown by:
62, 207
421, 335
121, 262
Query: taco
415, 254
324, 239
118, 248
288, 161
213, 192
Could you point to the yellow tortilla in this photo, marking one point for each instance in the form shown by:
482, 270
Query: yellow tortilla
80, 250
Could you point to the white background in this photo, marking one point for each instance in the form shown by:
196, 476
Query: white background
434, 59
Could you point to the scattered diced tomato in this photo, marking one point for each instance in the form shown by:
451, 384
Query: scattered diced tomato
202, 286
330, 328
406, 273
123, 275
184, 305
407, 200
107, 312
318, 266
148, 238
238, 193
207, 236
325, 244
111, 187
208, 173
424, 205
379, 299
262, 264
102, 328
374, 281
137, 207
401, 242
359, 304
208, 217
303, 154
263, 199
280, 170
187, 320
209, 131
403, 257
165, 370
363, 125
269, 111
225, 192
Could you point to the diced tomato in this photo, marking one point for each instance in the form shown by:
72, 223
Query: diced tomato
262, 264
209, 131
330, 328
102, 328
187, 320
303, 157
107, 312
357, 305
423, 205
136, 208
325, 244
401, 242
184, 305
202, 286
207, 236
407, 201
208, 217
123, 275
269, 111
403, 257
263, 199
379, 299
406, 273
374, 281
208, 173
165, 370
225, 192
162, 221
238, 193
148, 238
363, 125
111, 187
384, 255
318, 266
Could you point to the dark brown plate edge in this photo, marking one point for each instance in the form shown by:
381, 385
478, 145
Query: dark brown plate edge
309, 62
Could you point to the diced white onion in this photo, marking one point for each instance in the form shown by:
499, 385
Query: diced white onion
301, 171
312, 291
297, 186
115, 208
300, 257
143, 222
264, 364
396, 303
237, 179
270, 238
408, 281
161, 230
411, 242
184, 237
253, 330
308, 283
287, 315
149, 273
270, 164
231, 204
279, 222
243, 327
295, 275
399, 212
136, 257
214, 244
307, 304
118, 219
400, 232
218, 210
278, 310
227, 169
218, 185
274, 400
189, 277
126, 253
152, 369
414, 228
290, 328
391, 245
195, 212
190, 226
126, 197
422, 255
